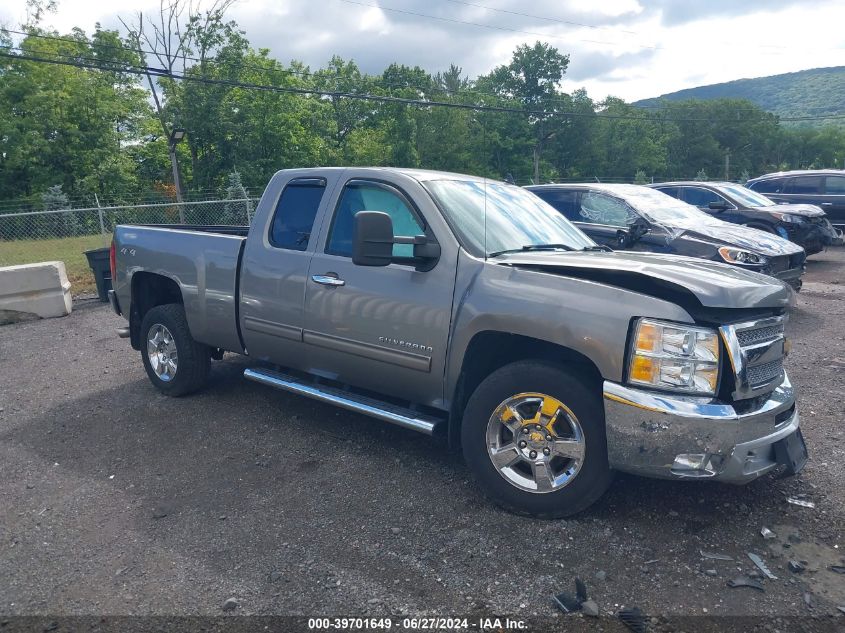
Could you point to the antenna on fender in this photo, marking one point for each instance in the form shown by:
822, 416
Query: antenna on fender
485, 217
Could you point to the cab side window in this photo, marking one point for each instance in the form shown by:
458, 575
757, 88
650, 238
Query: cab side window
598, 208
293, 219
371, 197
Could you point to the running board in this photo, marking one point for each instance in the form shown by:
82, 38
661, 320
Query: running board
353, 402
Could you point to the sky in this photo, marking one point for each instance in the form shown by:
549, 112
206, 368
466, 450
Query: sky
632, 49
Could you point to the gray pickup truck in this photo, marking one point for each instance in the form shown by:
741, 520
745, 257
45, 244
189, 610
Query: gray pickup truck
471, 309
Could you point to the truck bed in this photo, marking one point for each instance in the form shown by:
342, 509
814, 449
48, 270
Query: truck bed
201, 260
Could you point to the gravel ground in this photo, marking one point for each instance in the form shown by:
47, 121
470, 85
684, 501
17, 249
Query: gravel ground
118, 500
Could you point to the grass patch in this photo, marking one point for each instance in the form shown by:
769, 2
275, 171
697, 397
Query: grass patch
68, 250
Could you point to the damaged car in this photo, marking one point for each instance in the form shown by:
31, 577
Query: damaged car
460, 307
804, 224
633, 217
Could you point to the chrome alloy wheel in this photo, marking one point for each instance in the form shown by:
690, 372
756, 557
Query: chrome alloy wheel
535, 442
161, 348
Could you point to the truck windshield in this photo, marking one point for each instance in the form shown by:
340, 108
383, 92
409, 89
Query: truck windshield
493, 218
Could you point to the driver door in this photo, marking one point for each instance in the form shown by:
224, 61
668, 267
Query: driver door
379, 328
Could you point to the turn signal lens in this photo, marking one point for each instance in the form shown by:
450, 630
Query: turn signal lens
643, 369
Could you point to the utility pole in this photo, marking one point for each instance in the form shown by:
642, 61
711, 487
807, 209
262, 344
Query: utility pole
728, 165
176, 135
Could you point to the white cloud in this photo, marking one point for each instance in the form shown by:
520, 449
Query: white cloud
637, 48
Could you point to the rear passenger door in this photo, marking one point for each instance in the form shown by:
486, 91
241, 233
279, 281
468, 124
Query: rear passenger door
802, 189
275, 268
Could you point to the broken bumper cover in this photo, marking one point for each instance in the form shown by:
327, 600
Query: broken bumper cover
675, 436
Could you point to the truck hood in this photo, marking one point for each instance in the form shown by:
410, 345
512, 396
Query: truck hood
727, 234
806, 210
714, 285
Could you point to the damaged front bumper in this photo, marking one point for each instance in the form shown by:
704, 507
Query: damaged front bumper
674, 436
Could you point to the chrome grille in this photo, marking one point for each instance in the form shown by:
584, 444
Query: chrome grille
761, 374
756, 351
758, 335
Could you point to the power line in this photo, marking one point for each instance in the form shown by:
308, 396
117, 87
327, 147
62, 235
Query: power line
161, 72
301, 73
539, 17
287, 71
484, 26
306, 74
532, 33
607, 27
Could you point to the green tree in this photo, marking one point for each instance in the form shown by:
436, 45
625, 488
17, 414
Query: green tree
237, 208
58, 224
531, 79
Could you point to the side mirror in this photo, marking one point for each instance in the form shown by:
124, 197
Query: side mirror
635, 231
718, 205
372, 239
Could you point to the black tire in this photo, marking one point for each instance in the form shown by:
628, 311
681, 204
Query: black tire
193, 359
584, 401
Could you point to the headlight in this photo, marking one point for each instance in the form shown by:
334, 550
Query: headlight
741, 257
675, 357
788, 217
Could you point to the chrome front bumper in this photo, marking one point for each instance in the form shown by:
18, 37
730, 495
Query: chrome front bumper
648, 431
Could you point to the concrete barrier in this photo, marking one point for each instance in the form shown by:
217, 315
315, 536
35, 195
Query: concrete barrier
34, 291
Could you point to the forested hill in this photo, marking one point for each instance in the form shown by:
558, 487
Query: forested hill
814, 92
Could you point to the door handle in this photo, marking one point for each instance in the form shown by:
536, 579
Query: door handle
827, 204
327, 280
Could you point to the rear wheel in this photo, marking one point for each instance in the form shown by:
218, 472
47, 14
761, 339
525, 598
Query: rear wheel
533, 436
176, 364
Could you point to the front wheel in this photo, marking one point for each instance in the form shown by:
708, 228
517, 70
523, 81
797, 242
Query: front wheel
533, 436
176, 364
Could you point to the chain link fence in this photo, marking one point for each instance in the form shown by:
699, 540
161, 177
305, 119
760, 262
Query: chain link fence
45, 225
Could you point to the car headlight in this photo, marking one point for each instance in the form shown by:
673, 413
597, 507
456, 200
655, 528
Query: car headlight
788, 217
674, 357
741, 257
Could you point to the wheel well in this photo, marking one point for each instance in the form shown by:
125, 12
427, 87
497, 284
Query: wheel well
148, 291
488, 351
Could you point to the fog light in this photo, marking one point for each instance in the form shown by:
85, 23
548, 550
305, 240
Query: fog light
693, 465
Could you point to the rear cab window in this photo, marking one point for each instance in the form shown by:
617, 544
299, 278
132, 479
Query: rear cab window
293, 219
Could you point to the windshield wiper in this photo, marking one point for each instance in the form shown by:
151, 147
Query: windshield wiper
533, 247
598, 247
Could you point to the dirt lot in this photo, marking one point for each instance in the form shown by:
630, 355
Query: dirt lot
117, 500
